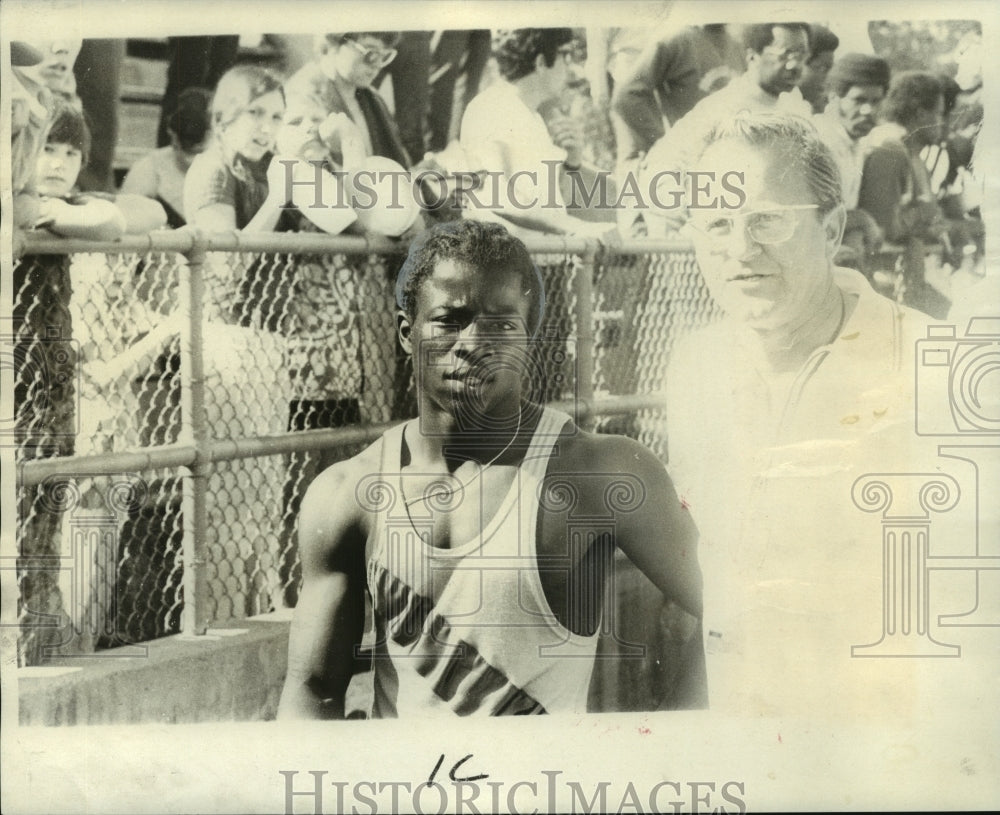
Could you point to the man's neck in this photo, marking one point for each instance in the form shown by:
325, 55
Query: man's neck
346, 89
443, 437
835, 118
530, 91
914, 143
750, 81
786, 347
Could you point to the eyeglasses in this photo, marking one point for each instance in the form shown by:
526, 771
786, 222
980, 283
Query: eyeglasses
788, 58
373, 57
765, 226
568, 53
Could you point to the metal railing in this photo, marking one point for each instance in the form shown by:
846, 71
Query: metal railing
172, 409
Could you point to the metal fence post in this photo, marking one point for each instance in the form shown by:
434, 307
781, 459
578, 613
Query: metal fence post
194, 431
584, 315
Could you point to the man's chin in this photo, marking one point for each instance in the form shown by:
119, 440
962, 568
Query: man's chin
755, 312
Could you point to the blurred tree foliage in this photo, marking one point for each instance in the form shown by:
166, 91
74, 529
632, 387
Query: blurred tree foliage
921, 45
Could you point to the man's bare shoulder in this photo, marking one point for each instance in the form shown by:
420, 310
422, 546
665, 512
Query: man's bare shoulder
334, 507
343, 474
588, 454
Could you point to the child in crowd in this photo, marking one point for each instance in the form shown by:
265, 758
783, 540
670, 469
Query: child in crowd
385, 204
160, 174
91, 216
332, 140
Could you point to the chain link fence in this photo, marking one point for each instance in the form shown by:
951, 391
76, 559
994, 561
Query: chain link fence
176, 395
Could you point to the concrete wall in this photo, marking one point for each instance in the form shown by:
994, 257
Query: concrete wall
231, 674
235, 673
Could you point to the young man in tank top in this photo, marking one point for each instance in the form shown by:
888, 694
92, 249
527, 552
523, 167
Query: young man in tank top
483, 531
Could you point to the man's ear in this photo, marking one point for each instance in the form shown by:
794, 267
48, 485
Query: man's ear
540, 62
403, 331
833, 226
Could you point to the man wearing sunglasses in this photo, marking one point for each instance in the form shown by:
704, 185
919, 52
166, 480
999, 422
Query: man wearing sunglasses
341, 77
773, 411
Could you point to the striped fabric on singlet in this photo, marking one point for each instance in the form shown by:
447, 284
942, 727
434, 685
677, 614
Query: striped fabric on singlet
467, 630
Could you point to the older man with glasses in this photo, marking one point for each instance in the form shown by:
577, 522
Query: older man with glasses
805, 383
341, 77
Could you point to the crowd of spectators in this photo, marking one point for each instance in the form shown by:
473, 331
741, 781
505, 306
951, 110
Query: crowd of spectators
530, 101
529, 121
525, 118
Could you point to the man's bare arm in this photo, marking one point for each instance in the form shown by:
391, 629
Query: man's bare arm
660, 539
329, 617
659, 536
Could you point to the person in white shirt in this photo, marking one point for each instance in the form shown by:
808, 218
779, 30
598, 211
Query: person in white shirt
772, 413
528, 164
856, 86
161, 173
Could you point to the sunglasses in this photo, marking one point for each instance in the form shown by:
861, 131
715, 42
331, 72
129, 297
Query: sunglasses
373, 57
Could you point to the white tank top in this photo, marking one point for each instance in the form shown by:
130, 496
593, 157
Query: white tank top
467, 630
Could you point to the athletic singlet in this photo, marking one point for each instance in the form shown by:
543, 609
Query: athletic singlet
467, 630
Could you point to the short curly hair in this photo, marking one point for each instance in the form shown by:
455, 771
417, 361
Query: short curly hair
516, 49
190, 120
487, 247
910, 93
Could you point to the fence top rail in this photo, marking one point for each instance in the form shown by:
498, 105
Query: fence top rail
187, 239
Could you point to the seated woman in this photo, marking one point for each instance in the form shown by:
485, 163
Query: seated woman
160, 174
226, 187
93, 216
